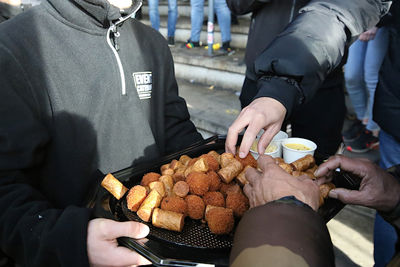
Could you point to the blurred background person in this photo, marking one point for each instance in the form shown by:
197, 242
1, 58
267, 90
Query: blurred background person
224, 22
361, 76
172, 18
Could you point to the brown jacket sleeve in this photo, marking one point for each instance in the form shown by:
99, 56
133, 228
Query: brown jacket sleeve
282, 234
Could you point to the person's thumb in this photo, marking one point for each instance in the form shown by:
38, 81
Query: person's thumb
346, 196
129, 229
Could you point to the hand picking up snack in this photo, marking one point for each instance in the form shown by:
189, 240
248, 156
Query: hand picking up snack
206, 188
305, 166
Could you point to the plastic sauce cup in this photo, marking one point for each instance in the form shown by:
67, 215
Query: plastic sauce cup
292, 154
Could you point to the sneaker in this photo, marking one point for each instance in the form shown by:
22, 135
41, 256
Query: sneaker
171, 41
354, 131
227, 49
363, 143
189, 44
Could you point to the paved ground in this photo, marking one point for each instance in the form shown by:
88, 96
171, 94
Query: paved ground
213, 110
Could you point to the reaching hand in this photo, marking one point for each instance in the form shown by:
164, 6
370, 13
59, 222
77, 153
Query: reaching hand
263, 113
273, 183
378, 189
368, 35
102, 246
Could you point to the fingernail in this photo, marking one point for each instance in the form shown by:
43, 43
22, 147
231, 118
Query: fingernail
333, 194
316, 172
144, 230
242, 155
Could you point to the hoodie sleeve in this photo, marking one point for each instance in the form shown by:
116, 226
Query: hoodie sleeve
241, 7
33, 232
296, 63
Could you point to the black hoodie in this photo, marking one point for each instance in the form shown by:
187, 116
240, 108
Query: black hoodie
70, 104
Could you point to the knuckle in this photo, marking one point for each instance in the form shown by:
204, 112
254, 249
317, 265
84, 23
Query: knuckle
104, 227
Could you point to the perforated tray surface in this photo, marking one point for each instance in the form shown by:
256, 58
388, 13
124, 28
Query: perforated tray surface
194, 234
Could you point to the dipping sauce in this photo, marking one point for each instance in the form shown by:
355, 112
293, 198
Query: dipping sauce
297, 146
270, 148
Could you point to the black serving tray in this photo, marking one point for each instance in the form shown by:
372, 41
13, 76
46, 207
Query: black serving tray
162, 249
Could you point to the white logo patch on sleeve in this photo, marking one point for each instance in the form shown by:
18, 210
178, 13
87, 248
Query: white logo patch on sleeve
143, 83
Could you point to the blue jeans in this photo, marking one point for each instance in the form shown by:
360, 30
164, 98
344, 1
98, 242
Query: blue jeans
172, 16
385, 236
361, 74
197, 16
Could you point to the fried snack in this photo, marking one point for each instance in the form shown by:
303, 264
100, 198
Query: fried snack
249, 160
184, 159
324, 191
212, 163
191, 162
214, 199
200, 165
237, 202
286, 167
168, 183
198, 183
159, 186
175, 204
225, 159
230, 171
312, 169
195, 207
114, 186
164, 167
168, 171
220, 220
215, 181
241, 178
303, 163
175, 164
151, 202
181, 189
229, 188
215, 155
179, 175
208, 208
135, 197
168, 220
149, 177
147, 189
279, 160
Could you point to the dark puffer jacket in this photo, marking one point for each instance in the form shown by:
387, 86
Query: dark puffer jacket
293, 66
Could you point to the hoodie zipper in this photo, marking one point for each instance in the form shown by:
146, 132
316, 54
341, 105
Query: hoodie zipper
292, 11
113, 33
